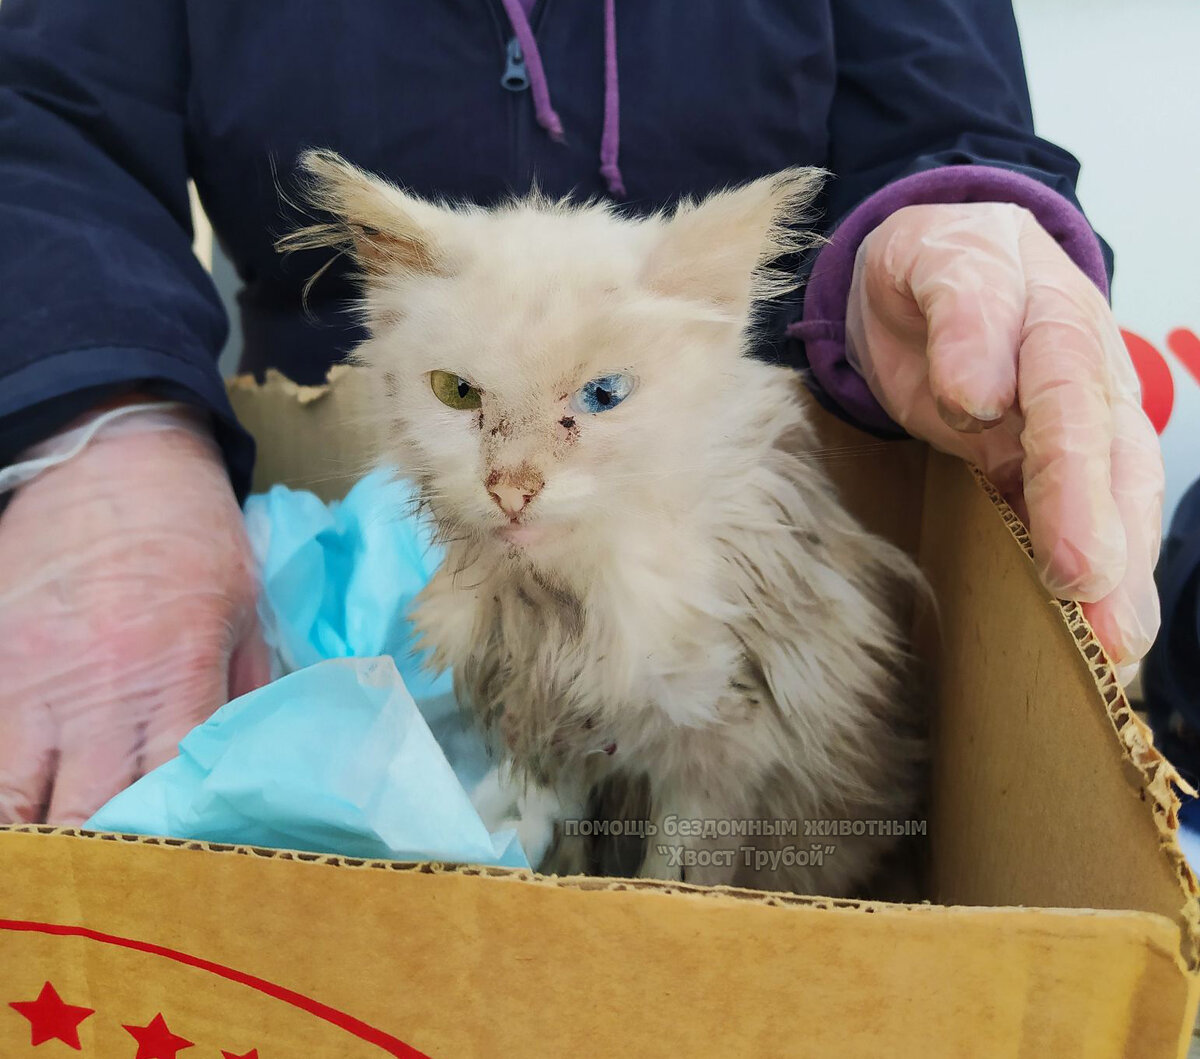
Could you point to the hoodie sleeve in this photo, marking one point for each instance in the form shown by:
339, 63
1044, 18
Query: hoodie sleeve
100, 293
931, 105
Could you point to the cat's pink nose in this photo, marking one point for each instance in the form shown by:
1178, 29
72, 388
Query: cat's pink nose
511, 499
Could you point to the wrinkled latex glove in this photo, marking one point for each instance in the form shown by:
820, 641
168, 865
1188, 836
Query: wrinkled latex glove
977, 333
127, 615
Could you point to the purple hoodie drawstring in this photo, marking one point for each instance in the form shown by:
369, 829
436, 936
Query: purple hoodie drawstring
543, 109
610, 141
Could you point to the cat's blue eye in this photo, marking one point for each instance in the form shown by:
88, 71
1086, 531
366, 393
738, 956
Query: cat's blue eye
603, 393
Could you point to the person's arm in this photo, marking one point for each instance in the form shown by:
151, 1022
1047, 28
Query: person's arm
931, 106
962, 298
127, 582
100, 293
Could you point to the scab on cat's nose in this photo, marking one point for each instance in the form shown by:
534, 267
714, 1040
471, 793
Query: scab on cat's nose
513, 490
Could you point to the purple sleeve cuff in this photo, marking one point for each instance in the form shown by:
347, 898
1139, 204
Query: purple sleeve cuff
823, 326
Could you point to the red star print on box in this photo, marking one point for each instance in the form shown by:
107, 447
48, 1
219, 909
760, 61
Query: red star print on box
252, 1054
52, 1020
155, 1041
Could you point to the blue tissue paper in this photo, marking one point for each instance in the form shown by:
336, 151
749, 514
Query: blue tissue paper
338, 579
358, 750
333, 758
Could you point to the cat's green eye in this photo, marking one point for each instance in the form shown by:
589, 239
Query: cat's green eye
453, 391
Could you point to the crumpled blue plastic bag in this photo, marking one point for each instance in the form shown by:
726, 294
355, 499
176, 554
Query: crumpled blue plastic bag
359, 751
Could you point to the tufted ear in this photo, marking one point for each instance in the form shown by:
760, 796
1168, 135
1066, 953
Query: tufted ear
387, 230
720, 250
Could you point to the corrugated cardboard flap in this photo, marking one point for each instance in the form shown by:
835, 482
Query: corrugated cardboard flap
1158, 780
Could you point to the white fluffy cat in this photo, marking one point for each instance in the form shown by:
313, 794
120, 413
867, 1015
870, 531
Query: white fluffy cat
650, 586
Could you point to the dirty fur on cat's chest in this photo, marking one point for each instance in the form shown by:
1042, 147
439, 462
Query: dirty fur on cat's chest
565, 685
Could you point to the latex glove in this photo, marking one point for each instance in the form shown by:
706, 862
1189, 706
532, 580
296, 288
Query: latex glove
127, 616
977, 333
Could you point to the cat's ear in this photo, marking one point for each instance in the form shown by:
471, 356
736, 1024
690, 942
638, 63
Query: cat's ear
719, 251
386, 230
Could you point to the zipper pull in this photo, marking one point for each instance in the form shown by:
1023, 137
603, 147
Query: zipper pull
515, 77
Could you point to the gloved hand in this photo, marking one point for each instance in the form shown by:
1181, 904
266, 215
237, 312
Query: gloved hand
977, 333
127, 615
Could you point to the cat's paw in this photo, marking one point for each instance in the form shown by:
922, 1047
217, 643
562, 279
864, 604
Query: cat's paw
541, 812
504, 802
495, 798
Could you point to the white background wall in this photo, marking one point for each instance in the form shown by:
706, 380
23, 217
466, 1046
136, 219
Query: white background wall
1117, 83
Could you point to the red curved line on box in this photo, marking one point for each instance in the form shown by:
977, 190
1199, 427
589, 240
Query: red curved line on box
359, 1029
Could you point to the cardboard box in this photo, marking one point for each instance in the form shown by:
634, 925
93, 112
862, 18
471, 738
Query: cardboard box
1064, 920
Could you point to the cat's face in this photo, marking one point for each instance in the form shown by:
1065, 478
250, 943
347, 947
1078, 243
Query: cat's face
549, 373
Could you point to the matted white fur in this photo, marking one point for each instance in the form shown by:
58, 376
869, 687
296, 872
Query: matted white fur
688, 601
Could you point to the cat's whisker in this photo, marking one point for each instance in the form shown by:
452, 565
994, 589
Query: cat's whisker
309, 481
680, 471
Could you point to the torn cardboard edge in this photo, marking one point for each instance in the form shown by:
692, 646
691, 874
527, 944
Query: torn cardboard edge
304, 394
767, 898
1158, 778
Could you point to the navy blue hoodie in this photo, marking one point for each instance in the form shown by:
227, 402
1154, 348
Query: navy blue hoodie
108, 107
